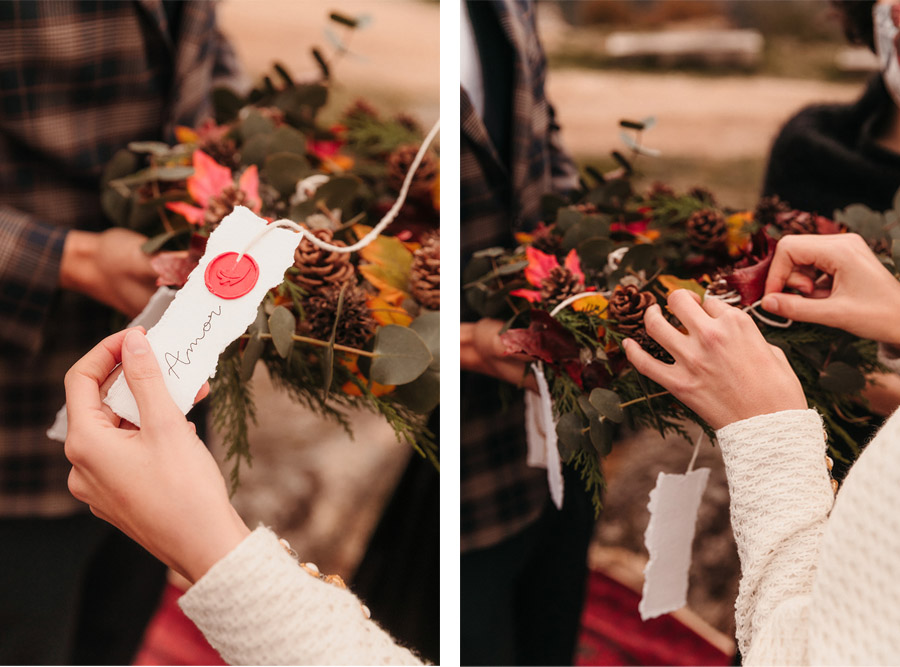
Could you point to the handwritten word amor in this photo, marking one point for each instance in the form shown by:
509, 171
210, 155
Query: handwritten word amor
172, 360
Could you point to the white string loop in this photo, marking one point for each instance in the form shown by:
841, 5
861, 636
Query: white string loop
375, 232
732, 298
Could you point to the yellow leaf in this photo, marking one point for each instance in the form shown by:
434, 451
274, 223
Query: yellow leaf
738, 232
672, 283
185, 135
388, 261
388, 312
595, 302
524, 238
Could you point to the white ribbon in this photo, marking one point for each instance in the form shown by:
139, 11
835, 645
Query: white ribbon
540, 432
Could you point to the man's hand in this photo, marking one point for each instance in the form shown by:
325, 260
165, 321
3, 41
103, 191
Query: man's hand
481, 351
109, 267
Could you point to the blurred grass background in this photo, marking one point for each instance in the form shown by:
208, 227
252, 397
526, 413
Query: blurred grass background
716, 122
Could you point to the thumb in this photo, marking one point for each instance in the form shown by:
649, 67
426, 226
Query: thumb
145, 380
800, 308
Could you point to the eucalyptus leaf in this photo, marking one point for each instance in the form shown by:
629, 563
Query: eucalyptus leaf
510, 269
590, 227
607, 403
567, 218
400, 355
423, 394
285, 170
489, 252
152, 147
601, 434
255, 123
282, 324
122, 163
428, 326
594, 253
570, 436
589, 410
638, 148
252, 353
227, 104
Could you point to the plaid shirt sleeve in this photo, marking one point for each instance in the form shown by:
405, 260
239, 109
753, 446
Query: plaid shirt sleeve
499, 494
30, 252
78, 82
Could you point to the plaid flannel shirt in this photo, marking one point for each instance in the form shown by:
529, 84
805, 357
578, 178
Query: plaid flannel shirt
500, 495
78, 81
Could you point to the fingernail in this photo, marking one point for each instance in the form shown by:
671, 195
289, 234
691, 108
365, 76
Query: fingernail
770, 303
136, 343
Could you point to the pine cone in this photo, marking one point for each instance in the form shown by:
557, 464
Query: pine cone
796, 222
768, 208
224, 151
559, 285
408, 122
398, 164
627, 307
660, 190
356, 324
425, 274
706, 229
318, 268
222, 204
361, 108
703, 195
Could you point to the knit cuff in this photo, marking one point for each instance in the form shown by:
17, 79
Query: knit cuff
775, 458
257, 606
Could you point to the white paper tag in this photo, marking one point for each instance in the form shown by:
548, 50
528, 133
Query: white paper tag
154, 309
540, 435
674, 504
215, 306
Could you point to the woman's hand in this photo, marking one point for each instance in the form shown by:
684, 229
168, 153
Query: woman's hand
724, 369
855, 292
159, 484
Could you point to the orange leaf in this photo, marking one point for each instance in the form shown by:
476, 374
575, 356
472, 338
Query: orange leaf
739, 237
387, 312
672, 283
185, 135
595, 302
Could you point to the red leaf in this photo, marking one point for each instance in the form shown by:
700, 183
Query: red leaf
173, 268
545, 339
826, 226
749, 279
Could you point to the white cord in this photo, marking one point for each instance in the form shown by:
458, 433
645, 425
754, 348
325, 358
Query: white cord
573, 299
375, 231
696, 451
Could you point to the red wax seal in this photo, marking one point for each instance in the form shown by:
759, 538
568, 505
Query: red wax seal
229, 279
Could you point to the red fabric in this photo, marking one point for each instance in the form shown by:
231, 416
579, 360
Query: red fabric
612, 632
173, 639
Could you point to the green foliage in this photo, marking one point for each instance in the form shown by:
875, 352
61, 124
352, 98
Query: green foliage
232, 410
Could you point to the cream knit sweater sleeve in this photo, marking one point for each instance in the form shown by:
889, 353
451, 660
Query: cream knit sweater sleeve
256, 606
815, 589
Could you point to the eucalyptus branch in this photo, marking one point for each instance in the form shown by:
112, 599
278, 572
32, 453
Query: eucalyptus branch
320, 343
643, 398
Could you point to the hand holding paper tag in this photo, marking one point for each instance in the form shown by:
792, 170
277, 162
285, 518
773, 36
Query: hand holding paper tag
215, 306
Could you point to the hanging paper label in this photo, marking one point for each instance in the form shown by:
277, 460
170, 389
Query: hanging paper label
215, 306
673, 506
540, 436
